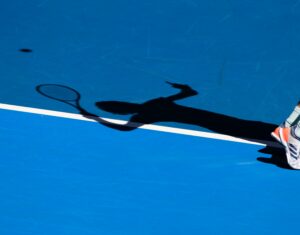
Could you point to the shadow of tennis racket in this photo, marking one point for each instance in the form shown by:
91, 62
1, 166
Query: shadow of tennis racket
70, 96
60, 93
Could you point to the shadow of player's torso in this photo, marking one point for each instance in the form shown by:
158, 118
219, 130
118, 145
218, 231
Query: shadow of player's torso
165, 110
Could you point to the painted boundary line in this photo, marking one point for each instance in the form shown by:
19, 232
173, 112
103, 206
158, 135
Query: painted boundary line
115, 121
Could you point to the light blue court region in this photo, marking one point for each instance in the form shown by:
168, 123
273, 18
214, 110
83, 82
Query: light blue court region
62, 176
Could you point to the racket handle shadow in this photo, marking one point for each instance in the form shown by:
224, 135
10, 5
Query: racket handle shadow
129, 126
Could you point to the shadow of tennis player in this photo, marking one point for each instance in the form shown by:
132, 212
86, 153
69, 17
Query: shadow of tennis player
164, 109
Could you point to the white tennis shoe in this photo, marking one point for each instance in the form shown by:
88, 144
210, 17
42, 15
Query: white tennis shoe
291, 142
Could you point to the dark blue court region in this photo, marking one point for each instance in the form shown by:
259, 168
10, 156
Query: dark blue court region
233, 69
62, 176
241, 56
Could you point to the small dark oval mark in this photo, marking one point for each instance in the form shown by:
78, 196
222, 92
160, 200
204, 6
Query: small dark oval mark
26, 50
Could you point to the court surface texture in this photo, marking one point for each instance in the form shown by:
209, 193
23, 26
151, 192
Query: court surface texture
199, 161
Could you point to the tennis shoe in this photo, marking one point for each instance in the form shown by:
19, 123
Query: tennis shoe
275, 134
291, 143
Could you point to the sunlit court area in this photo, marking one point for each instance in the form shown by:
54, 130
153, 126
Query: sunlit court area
147, 117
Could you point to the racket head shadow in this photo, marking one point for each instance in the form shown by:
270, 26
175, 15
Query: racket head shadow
58, 92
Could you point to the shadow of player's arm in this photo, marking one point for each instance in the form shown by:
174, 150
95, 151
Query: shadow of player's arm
185, 92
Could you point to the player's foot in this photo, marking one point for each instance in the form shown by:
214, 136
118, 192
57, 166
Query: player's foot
292, 145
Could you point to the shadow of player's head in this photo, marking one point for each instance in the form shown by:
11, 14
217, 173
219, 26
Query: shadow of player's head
118, 107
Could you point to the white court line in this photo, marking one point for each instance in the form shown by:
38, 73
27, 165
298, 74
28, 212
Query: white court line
121, 122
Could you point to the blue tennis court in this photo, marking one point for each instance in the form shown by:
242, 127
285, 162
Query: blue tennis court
168, 132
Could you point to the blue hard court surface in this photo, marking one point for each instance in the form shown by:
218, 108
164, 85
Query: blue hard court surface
64, 176
61, 176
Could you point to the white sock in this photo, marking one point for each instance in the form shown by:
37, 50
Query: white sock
294, 118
